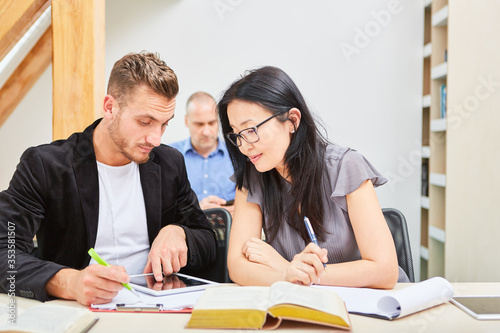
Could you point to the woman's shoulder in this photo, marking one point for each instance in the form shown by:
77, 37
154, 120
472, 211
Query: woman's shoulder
338, 157
335, 153
348, 167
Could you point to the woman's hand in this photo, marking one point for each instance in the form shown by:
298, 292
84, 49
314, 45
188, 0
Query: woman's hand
307, 266
258, 251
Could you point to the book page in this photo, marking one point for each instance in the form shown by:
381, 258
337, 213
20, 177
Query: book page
286, 292
360, 300
6, 314
227, 298
49, 318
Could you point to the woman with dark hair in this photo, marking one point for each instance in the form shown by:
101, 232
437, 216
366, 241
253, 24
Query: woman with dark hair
286, 170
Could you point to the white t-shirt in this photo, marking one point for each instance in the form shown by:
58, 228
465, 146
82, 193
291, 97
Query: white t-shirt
122, 232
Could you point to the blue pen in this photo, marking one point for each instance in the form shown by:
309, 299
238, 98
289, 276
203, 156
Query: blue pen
312, 236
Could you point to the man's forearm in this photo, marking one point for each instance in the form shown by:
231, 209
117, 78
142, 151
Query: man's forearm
60, 285
202, 248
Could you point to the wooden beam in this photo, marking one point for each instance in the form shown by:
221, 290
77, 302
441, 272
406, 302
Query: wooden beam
25, 76
17, 16
78, 64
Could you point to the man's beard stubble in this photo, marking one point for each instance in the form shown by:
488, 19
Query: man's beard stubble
121, 142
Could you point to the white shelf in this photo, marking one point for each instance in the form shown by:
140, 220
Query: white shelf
439, 71
427, 50
437, 234
426, 151
437, 179
424, 252
438, 125
424, 202
427, 3
426, 101
440, 18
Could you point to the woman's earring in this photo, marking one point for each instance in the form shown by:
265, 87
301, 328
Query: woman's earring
293, 131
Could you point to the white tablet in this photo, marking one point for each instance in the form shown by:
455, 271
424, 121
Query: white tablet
174, 284
479, 307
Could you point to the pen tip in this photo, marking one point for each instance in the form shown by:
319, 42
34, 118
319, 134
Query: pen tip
135, 293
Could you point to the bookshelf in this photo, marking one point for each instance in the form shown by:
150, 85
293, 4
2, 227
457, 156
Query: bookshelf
460, 221
426, 149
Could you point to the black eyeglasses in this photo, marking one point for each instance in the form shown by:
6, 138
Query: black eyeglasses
248, 134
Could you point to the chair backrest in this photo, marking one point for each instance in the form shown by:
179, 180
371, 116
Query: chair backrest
399, 230
220, 220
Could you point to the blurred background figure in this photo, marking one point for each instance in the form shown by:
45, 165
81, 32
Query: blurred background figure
207, 160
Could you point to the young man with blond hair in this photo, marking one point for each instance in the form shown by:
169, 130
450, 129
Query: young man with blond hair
113, 187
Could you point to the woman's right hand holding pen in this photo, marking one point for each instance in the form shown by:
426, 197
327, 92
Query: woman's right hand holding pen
307, 266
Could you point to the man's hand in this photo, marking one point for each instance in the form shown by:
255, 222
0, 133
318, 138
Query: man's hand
213, 201
169, 250
96, 284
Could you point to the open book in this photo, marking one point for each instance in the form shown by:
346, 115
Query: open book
51, 318
388, 304
265, 307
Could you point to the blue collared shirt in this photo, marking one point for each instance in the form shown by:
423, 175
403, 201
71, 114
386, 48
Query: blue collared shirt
208, 176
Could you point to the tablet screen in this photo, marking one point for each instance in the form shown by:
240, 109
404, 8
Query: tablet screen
481, 307
175, 283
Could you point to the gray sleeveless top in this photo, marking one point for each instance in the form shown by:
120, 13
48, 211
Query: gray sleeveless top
345, 171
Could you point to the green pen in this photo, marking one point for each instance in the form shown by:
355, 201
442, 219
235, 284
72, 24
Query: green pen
101, 261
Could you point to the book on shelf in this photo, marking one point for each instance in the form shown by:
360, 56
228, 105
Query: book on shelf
48, 318
394, 304
425, 179
443, 100
239, 307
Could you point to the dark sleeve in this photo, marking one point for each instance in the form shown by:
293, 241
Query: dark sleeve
200, 236
22, 209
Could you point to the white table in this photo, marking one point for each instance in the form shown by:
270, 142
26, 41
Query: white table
443, 318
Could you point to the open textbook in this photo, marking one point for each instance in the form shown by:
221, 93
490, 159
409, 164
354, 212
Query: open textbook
49, 318
389, 304
266, 307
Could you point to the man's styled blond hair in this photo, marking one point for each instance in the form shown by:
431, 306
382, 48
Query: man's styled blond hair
141, 69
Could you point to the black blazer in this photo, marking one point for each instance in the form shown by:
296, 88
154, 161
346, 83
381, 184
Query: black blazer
54, 194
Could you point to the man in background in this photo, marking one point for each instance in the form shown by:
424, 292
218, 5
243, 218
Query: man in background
207, 160
114, 188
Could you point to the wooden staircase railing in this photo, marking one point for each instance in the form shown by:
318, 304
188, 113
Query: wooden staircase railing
17, 16
74, 43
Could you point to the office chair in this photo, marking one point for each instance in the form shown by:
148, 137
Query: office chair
399, 230
220, 221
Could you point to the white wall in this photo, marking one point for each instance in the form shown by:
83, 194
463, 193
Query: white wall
29, 125
369, 100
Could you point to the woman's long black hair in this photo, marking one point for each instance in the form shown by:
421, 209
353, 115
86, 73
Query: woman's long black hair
274, 90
